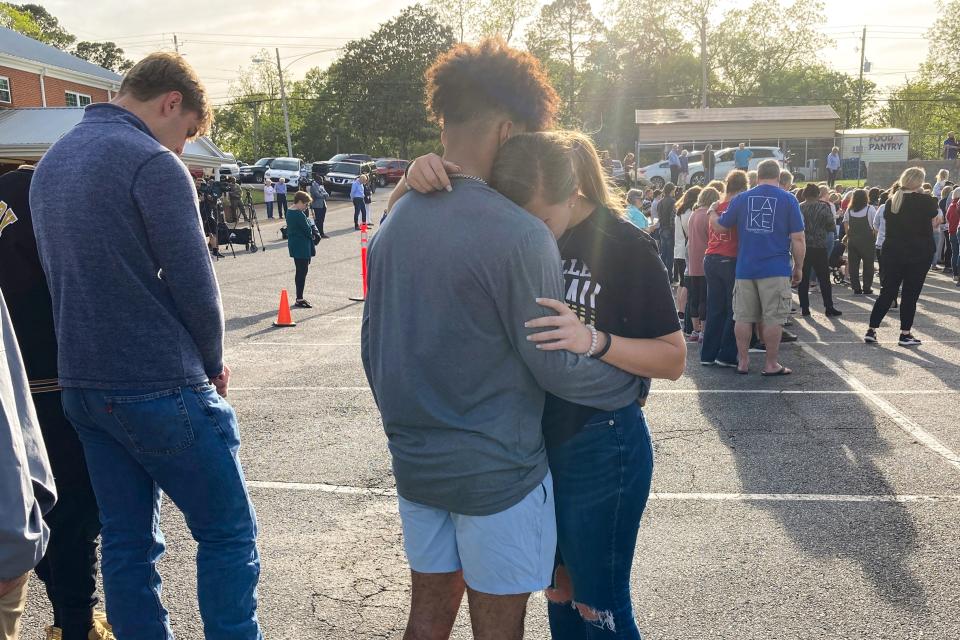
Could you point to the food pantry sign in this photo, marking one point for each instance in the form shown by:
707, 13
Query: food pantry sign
875, 145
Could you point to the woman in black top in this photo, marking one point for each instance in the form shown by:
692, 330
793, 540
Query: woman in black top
905, 260
619, 308
818, 225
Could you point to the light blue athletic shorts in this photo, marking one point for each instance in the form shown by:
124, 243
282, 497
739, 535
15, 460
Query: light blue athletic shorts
504, 553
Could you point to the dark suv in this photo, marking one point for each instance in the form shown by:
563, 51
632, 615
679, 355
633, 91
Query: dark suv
342, 174
351, 157
254, 172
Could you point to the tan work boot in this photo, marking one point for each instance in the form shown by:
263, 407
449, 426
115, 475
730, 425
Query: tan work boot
101, 628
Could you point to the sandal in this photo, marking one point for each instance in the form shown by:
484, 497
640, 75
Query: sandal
782, 371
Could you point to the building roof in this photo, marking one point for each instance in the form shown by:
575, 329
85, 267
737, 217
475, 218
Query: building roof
34, 130
872, 132
18, 45
734, 114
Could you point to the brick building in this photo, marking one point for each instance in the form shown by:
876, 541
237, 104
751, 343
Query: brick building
42, 94
33, 74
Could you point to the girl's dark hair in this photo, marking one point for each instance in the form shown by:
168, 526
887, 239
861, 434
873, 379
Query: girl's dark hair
657, 193
531, 163
689, 201
874, 195
860, 200
811, 192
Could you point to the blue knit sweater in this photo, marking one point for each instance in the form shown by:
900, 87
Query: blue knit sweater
135, 299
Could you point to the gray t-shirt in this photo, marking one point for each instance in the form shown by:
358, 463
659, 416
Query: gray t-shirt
453, 277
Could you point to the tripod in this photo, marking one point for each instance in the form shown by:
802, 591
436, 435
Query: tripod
249, 213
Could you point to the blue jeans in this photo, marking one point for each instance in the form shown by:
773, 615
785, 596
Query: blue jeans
184, 442
937, 247
719, 341
666, 251
601, 482
269, 209
955, 256
359, 207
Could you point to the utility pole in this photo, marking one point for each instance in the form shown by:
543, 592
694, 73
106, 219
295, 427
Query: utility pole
703, 61
283, 100
176, 45
256, 129
863, 60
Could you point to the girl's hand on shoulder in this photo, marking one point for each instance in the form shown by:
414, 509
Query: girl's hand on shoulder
565, 329
429, 173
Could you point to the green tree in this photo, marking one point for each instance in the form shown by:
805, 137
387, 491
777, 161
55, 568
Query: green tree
15, 18
927, 108
378, 84
943, 53
753, 45
251, 125
502, 18
105, 54
563, 37
460, 15
50, 30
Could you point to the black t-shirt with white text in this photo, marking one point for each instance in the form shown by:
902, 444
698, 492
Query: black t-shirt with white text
613, 279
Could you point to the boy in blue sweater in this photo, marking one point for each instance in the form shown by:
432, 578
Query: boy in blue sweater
139, 328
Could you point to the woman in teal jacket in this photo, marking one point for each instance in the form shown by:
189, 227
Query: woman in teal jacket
300, 243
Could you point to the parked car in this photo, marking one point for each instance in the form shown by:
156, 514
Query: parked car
288, 168
342, 174
617, 172
320, 169
390, 170
658, 173
255, 171
227, 170
351, 157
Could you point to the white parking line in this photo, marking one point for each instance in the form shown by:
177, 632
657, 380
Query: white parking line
927, 285
691, 497
258, 343
772, 392
901, 420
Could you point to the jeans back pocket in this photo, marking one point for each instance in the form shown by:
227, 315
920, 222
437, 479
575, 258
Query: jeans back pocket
156, 423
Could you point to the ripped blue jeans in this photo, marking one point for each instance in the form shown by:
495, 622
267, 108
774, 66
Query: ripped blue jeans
601, 484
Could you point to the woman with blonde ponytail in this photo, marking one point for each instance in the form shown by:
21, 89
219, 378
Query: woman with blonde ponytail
905, 255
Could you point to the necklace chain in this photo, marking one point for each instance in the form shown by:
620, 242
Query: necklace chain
464, 176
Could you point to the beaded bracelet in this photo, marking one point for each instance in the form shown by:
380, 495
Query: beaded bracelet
594, 340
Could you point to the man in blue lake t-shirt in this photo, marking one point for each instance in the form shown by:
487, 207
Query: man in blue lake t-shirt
741, 158
770, 228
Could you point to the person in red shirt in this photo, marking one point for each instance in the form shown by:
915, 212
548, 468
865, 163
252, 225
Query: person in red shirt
719, 344
953, 222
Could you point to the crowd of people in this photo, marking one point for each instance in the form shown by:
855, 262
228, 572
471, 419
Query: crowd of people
844, 229
511, 388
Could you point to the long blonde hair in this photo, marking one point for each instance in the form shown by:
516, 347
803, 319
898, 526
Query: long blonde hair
594, 183
910, 180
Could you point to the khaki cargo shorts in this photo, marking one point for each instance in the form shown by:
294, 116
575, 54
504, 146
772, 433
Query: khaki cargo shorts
767, 300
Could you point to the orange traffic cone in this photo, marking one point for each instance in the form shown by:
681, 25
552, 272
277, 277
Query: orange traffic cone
283, 315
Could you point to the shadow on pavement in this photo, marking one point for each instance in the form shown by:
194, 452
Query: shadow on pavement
879, 537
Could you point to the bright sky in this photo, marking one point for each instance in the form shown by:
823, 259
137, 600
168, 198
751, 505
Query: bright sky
219, 38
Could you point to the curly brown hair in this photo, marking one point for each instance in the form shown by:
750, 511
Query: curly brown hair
474, 81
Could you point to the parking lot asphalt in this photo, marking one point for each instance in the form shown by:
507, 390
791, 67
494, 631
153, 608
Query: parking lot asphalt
820, 505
